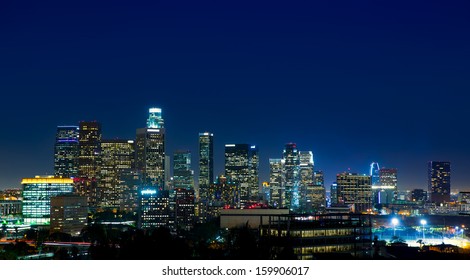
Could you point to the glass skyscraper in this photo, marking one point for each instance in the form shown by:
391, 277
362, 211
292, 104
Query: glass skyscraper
66, 152
292, 165
183, 175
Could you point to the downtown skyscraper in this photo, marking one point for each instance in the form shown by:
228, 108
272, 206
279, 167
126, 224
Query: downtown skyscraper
291, 158
117, 162
89, 162
206, 162
89, 159
355, 190
277, 183
150, 150
66, 152
439, 181
183, 175
306, 181
242, 168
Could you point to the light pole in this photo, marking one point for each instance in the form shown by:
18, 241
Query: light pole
394, 223
423, 223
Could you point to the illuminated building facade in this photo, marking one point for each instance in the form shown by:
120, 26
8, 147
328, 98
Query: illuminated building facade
89, 160
66, 152
306, 182
37, 193
10, 208
312, 236
154, 208
386, 191
318, 192
375, 173
439, 181
117, 160
354, 189
183, 175
291, 166
277, 183
242, 168
69, 214
206, 163
150, 150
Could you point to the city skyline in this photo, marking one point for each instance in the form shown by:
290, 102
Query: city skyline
264, 176
354, 83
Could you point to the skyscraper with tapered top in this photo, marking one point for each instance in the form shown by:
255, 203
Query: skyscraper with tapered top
150, 150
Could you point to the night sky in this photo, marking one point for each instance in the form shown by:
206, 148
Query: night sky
353, 81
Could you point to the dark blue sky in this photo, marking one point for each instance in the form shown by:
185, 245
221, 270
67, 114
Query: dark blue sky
353, 81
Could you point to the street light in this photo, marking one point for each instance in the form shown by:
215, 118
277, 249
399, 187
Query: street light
423, 223
394, 223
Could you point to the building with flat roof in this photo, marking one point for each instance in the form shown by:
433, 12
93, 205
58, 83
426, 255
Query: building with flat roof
37, 194
69, 214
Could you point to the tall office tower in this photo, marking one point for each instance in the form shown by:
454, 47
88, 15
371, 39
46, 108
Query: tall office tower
150, 150
182, 210
291, 166
241, 168
183, 175
385, 193
89, 146
319, 192
306, 182
206, 163
66, 152
277, 183
354, 189
117, 160
37, 193
375, 173
439, 181
154, 208
69, 214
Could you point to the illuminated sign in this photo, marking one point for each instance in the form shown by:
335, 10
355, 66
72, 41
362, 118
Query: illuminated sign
155, 110
148, 192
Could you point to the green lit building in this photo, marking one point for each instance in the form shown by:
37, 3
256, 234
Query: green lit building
37, 193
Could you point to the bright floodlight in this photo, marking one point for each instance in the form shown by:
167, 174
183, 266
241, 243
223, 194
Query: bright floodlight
394, 221
423, 222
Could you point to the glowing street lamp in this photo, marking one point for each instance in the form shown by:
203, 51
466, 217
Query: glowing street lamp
394, 223
423, 223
